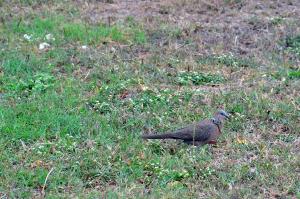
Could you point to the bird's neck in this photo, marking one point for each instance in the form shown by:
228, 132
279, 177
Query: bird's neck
217, 122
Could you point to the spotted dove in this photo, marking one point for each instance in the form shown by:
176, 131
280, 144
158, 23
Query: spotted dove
197, 134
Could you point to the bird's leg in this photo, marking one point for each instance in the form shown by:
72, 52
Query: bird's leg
213, 142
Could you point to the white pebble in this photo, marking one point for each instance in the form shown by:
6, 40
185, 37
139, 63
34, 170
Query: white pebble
28, 37
44, 45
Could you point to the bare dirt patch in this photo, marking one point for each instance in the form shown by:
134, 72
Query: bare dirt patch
242, 27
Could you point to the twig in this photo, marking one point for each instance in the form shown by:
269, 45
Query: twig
87, 75
43, 189
23, 145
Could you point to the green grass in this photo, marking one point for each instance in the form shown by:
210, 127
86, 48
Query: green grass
62, 30
199, 78
80, 114
79, 32
294, 74
293, 44
227, 60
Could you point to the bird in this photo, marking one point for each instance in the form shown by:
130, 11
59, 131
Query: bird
198, 134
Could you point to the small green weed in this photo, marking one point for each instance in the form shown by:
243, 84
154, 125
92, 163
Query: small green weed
165, 175
33, 179
38, 83
282, 74
227, 60
294, 74
139, 37
196, 78
293, 44
156, 100
277, 21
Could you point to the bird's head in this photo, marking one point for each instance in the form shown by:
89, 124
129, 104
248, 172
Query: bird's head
221, 115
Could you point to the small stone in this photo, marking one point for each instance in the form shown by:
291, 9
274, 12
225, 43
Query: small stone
84, 47
113, 50
28, 37
44, 45
253, 170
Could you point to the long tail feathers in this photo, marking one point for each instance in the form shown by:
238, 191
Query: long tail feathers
158, 136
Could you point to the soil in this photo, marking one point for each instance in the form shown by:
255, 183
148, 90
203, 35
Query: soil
245, 28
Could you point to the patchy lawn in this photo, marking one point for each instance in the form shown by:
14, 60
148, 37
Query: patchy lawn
80, 81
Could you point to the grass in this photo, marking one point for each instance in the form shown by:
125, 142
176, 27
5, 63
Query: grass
294, 74
293, 44
79, 113
62, 30
227, 60
199, 78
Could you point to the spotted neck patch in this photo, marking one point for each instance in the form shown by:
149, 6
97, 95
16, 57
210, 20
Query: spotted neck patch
216, 121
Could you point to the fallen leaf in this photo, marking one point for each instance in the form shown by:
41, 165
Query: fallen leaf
241, 140
143, 87
142, 156
124, 94
38, 163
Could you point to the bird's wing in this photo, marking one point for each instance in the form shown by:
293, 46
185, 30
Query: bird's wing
205, 131
198, 132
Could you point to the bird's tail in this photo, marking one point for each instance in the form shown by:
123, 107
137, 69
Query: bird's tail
158, 136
